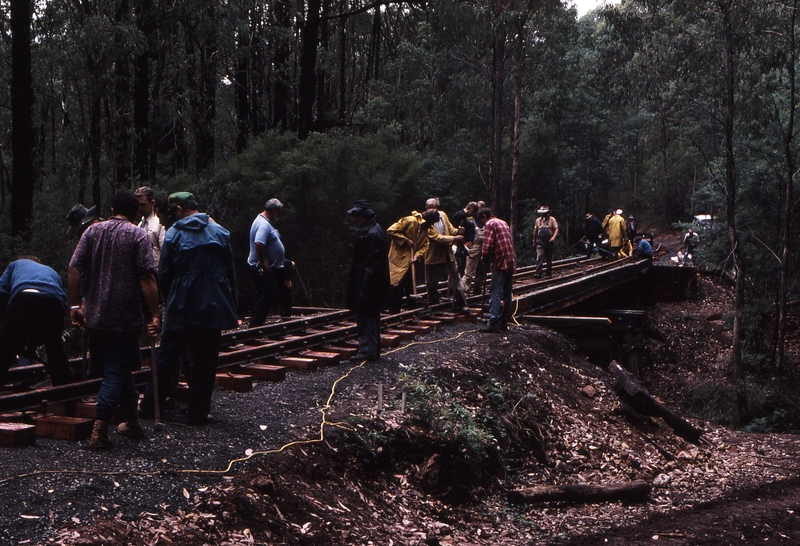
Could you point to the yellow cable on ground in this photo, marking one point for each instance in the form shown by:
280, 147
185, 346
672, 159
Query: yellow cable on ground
227, 469
323, 411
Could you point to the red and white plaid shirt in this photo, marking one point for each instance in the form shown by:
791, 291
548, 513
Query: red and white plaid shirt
498, 247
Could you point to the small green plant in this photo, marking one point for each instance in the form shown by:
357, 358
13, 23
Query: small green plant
435, 405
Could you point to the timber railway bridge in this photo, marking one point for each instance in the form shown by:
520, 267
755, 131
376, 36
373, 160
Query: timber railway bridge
322, 337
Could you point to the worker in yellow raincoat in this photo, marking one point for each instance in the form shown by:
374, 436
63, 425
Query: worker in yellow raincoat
409, 241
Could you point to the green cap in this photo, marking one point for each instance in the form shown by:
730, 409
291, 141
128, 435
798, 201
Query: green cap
181, 199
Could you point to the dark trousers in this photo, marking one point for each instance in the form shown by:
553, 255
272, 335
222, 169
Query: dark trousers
368, 325
403, 289
119, 354
201, 348
544, 253
34, 317
263, 294
270, 292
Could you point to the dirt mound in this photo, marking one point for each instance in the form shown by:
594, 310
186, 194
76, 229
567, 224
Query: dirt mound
484, 414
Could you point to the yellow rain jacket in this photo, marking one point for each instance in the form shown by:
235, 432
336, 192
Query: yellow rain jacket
440, 245
617, 231
405, 229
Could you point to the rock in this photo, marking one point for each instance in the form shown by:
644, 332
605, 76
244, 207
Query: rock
589, 391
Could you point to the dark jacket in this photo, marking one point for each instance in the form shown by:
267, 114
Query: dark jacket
368, 287
196, 276
593, 230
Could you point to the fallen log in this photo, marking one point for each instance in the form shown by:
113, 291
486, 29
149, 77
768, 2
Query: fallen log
634, 393
635, 491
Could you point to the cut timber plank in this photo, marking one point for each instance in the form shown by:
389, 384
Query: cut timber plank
324, 358
434, 324
84, 410
403, 335
445, 318
17, 435
266, 372
64, 428
389, 340
635, 491
298, 363
344, 352
420, 329
234, 382
463, 318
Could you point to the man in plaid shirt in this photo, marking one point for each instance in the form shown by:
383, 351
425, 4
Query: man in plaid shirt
498, 253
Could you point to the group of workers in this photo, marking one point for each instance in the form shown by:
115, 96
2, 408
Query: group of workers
614, 237
128, 273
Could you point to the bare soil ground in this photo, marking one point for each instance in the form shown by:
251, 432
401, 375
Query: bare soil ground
311, 460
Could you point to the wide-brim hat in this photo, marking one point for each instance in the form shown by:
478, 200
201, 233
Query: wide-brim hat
362, 207
78, 217
543, 210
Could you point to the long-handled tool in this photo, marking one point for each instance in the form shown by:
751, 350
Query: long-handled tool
483, 294
413, 274
154, 371
83, 354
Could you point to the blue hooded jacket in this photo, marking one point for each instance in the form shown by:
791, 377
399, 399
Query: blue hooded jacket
196, 276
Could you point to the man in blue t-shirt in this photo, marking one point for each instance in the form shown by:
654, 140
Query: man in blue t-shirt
32, 306
266, 262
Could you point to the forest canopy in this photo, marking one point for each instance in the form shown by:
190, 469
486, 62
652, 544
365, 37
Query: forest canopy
664, 108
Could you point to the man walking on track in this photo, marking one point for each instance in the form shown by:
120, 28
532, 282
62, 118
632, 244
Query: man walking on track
368, 285
498, 253
117, 260
266, 261
545, 231
197, 277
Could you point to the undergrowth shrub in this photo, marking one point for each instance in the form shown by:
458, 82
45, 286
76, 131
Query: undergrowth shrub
769, 405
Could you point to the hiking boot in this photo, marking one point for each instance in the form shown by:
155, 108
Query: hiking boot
491, 328
132, 427
359, 357
100, 438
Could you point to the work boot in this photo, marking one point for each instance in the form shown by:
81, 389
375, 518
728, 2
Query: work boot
132, 427
491, 328
100, 438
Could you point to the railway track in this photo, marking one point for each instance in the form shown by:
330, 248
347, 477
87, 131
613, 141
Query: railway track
319, 335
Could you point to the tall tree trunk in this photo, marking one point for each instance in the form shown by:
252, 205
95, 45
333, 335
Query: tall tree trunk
281, 87
96, 145
730, 190
519, 53
788, 135
206, 89
323, 99
22, 138
143, 139
308, 62
498, 77
342, 67
122, 121
242, 85
375, 46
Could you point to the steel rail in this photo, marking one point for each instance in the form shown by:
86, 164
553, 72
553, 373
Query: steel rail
325, 328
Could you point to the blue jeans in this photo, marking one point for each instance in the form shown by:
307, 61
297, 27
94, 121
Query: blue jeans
501, 291
202, 350
119, 353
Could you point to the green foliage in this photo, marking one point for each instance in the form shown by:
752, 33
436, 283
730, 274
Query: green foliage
436, 406
770, 405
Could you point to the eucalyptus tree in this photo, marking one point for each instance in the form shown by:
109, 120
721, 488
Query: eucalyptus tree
22, 138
